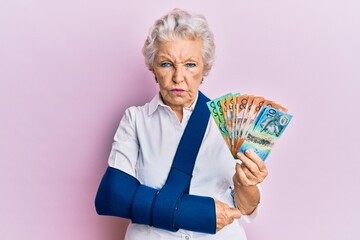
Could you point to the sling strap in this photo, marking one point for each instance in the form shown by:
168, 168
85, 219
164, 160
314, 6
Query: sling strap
178, 181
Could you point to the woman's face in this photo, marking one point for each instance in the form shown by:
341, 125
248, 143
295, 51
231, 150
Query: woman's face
179, 70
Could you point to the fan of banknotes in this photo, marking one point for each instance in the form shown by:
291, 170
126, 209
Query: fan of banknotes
248, 121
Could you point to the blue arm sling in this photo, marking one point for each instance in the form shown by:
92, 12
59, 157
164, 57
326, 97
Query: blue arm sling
171, 207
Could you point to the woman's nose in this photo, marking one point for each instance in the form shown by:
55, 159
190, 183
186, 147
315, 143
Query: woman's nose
178, 75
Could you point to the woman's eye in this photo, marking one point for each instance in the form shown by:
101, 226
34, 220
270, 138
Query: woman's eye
165, 64
191, 65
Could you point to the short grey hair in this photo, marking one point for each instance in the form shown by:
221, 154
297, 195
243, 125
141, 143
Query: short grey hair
179, 23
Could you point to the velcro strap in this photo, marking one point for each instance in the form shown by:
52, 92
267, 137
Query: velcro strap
142, 203
168, 198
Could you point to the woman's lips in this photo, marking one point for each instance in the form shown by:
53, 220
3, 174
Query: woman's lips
177, 90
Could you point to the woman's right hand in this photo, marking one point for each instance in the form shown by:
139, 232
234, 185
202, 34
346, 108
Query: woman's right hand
225, 215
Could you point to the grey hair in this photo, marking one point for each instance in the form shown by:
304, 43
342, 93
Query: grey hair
179, 23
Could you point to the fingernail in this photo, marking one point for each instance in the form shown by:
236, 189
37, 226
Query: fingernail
248, 151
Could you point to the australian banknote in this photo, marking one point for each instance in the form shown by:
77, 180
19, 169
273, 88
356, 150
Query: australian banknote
248, 121
268, 127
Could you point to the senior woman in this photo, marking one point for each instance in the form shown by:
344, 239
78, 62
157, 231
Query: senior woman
170, 171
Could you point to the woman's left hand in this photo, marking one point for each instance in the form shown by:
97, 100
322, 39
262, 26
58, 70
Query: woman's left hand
251, 171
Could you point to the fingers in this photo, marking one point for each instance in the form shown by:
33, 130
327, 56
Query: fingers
251, 171
240, 178
252, 161
249, 174
225, 215
256, 159
235, 213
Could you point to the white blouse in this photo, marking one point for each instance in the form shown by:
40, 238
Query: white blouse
144, 146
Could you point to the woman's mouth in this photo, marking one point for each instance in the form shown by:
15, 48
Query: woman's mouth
177, 90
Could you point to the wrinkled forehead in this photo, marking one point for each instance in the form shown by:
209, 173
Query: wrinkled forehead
180, 49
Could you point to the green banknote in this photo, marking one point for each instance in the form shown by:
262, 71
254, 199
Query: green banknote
217, 113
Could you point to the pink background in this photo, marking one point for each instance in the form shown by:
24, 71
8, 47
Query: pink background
69, 68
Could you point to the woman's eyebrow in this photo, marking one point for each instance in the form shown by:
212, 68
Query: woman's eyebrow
192, 58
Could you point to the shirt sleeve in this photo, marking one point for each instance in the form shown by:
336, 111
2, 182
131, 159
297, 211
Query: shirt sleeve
125, 148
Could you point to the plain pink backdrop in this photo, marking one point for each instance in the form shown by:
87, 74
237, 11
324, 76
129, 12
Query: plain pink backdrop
68, 70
